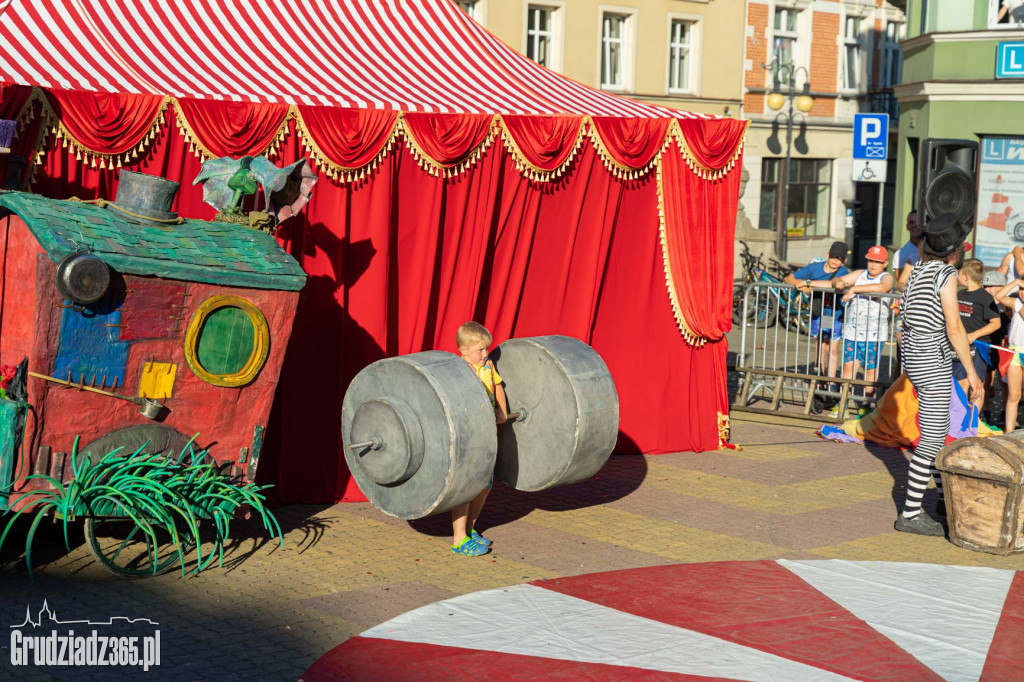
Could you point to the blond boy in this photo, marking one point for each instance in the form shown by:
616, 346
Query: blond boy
980, 316
473, 340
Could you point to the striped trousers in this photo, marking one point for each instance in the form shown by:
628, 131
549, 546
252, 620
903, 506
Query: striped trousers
930, 370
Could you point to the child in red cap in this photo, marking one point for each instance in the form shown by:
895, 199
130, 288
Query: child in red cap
867, 317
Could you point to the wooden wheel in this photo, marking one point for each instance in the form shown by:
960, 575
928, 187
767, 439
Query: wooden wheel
124, 549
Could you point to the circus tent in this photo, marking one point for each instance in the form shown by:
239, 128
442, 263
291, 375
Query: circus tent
458, 180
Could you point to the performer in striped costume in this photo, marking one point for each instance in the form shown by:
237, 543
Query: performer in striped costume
931, 324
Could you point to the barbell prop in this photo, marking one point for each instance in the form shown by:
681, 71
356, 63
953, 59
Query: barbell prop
420, 436
376, 442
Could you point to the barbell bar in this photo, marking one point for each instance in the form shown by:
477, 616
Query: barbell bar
376, 442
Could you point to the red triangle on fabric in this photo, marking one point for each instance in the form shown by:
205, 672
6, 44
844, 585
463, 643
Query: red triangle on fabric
1005, 659
758, 604
370, 658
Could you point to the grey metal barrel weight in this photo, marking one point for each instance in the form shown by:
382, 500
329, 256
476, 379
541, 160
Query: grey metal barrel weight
419, 430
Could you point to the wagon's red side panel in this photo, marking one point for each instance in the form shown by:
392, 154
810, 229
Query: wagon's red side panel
224, 417
19, 258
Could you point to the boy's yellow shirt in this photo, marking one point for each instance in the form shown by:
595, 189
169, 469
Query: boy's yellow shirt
490, 378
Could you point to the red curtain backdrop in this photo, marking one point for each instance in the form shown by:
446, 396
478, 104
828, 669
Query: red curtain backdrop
700, 219
13, 99
399, 259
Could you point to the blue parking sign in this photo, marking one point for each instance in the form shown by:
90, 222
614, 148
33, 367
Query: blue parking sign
870, 136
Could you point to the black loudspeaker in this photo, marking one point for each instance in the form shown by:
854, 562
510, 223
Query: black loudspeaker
948, 182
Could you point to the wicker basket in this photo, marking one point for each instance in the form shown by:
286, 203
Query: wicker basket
983, 480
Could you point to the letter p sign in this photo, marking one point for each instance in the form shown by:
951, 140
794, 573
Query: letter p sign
870, 136
870, 129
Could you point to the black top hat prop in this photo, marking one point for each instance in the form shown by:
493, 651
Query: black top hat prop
149, 197
943, 235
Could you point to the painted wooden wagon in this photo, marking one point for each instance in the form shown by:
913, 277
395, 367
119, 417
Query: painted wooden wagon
140, 330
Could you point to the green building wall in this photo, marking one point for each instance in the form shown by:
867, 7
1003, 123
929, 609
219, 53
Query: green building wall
941, 61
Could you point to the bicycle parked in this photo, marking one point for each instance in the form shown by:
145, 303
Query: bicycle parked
783, 303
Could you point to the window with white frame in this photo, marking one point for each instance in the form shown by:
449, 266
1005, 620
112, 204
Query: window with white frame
851, 53
1005, 14
892, 55
615, 50
680, 55
540, 34
784, 45
469, 7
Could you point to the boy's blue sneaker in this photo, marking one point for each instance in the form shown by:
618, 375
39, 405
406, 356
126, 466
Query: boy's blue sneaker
469, 548
479, 539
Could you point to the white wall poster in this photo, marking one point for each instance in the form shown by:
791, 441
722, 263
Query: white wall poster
1000, 210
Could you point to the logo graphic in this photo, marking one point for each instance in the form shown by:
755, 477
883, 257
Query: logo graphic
62, 647
52, 617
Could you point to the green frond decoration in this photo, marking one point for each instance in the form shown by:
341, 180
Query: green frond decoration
162, 499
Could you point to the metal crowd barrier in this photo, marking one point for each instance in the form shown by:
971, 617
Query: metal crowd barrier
784, 358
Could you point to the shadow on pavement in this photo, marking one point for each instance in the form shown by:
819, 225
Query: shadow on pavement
897, 464
620, 476
247, 536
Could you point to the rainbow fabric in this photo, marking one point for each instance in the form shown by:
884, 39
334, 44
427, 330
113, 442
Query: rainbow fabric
893, 422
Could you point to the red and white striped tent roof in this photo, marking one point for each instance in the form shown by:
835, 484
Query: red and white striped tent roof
407, 55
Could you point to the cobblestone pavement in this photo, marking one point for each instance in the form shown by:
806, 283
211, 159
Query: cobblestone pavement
269, 613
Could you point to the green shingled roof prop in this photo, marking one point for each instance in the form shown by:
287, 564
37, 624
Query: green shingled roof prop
192, 251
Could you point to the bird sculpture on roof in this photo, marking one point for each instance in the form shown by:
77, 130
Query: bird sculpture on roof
226, 181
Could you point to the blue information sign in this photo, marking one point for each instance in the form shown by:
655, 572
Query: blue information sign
870, 136
1010, 60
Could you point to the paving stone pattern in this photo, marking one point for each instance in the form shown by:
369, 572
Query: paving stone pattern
269, 613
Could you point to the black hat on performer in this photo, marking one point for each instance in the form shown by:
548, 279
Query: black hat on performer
943, 235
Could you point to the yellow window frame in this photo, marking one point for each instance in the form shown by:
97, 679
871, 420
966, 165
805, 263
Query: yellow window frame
261, 341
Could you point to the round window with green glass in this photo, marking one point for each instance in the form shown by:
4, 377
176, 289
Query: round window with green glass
227, 341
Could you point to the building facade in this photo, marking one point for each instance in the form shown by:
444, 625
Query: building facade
685, 54
953, 88
845, 56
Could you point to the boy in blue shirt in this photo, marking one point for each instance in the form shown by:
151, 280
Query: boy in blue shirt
826, 321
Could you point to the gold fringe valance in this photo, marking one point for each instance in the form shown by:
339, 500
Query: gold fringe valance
101, 160
532, 171
344, 174
437, 168
196, 146
335, 171
622, 171
699, 169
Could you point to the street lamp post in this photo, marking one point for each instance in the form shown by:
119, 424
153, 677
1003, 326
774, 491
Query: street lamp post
784, 76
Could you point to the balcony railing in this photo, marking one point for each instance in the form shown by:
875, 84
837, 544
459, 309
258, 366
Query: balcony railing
884, 102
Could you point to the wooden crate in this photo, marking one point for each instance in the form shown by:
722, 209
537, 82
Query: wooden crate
983, 480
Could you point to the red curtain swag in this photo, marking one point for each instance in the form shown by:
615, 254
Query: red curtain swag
232, 128
397, 261
448, 139
347, 138
544, 142
110, 124
632, 142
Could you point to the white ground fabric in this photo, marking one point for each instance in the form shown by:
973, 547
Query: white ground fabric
944, 616
533, 621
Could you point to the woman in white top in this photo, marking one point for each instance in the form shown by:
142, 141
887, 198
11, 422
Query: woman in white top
867, 318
